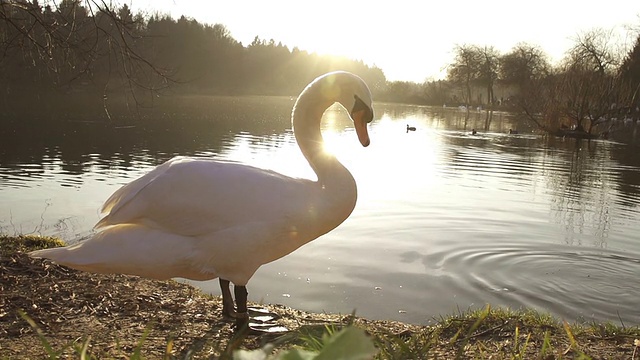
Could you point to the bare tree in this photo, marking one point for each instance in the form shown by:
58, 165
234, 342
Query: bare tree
527, 68
487, 76
72, 39
589, 87
464, 71
523, 64
630, 77
581, 94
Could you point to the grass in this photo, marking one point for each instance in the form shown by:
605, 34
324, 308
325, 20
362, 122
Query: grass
26, 243
489, 333
505, 334
483, 334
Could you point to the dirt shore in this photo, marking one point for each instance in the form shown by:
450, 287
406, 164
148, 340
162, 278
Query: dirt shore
112, 313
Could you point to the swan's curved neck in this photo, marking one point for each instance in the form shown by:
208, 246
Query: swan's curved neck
306, 118
334, 195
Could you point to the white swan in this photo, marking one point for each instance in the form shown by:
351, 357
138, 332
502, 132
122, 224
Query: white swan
202, 219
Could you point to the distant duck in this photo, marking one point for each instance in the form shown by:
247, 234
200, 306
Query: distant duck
410, 128
514, 132
473, 131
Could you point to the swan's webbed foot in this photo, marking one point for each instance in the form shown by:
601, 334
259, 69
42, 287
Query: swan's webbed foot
228, 310
242, 322
241, 316
229, 313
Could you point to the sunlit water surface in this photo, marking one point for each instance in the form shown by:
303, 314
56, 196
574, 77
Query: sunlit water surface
445, 220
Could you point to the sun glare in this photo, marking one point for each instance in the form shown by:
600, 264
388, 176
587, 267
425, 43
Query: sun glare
408, 40
334, 121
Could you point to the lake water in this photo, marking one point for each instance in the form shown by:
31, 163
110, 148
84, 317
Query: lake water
445, 220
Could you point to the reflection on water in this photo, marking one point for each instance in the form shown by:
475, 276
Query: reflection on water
445, 220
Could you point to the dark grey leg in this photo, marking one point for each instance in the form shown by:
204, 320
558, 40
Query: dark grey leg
242, 317
227, 300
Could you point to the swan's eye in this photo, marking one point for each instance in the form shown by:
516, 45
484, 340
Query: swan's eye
359, 105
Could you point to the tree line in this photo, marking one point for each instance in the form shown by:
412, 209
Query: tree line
89, 47
79, 47
593, 90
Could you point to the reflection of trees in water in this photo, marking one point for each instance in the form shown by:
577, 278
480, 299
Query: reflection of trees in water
626, 155
186, 127
582, 178
583, 190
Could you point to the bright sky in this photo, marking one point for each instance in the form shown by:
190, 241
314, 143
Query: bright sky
408, 39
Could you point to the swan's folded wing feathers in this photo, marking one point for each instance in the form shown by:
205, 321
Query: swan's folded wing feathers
130, 190
198, 197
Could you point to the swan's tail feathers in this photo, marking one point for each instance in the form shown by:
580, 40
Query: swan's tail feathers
127, 249
73, 256
55, 254
104, 222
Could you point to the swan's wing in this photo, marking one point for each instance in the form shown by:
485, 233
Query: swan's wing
127, 192
196, 197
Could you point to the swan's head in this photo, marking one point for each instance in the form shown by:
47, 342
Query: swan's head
358, 101
353, 93
361, 113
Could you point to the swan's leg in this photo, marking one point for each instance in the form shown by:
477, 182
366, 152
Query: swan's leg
227, 300
242, 316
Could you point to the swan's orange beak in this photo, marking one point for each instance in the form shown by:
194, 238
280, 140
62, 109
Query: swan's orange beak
360, 119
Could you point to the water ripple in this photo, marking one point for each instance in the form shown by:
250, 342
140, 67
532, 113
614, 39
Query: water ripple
575, 282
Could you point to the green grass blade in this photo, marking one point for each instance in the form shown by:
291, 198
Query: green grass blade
45, 343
